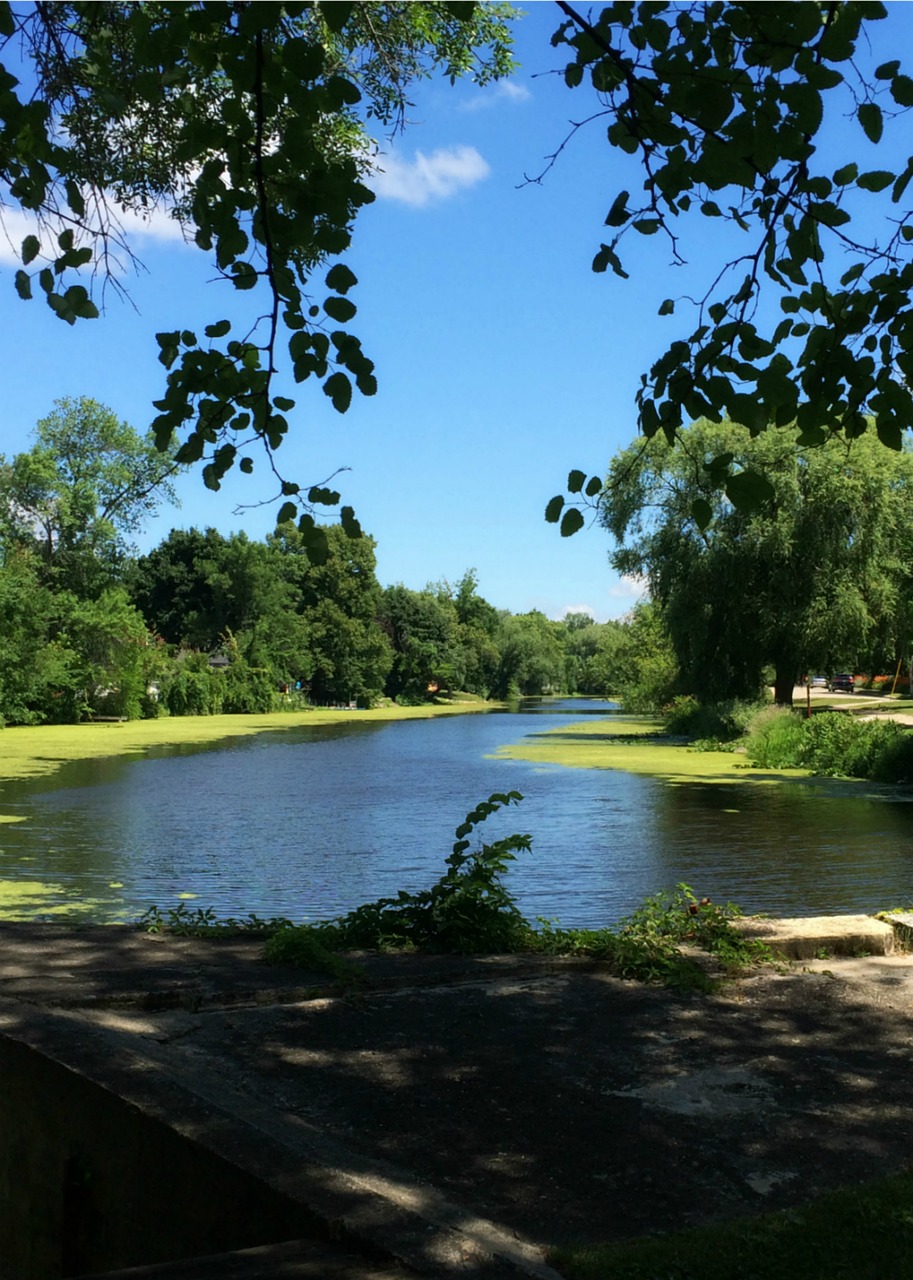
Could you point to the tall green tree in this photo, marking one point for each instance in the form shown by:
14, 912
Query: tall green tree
421, 629
477, 630
196, 586
810, 579
35, 667
532, 656
337, 602
81, 492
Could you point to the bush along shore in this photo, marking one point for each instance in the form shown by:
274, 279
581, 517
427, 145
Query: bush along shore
831, 743
470, 910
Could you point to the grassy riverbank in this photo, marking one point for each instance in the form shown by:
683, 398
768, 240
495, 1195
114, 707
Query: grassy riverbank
638, 747
32, 751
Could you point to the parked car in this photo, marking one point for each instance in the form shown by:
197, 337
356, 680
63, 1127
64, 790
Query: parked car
818, 682
842, 684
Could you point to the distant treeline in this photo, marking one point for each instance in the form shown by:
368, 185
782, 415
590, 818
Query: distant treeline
207, 623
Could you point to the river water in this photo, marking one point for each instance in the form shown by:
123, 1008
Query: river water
309, 823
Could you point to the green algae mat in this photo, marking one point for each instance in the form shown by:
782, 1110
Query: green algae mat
32, 751
637, 746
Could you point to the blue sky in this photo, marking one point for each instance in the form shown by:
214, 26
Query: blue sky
502, 360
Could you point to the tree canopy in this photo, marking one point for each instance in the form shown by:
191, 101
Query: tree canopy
774, 125
819, 577
771, 125
81, 492
251, 125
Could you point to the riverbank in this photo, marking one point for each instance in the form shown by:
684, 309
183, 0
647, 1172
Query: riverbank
28, 751
641, 747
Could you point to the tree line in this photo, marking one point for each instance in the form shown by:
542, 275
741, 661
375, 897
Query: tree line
207, 622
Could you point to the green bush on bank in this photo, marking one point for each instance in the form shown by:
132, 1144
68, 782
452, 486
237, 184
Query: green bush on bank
833, 744
470, 910
716, 722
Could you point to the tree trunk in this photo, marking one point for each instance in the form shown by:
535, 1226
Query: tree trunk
784, 680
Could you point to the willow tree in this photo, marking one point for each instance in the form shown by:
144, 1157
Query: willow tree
817, 576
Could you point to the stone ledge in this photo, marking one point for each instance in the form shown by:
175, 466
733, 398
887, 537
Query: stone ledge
292, 1260
805, 938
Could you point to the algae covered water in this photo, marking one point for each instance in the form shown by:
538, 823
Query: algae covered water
309, 823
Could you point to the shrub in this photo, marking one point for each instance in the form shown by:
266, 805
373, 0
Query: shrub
834, 744
718, 722
776, 739
193, 689
248, 690
469, 909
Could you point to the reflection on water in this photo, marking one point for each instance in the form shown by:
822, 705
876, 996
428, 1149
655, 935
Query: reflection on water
312, 822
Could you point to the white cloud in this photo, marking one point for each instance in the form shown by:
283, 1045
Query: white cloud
427, 178
157, 225
503, 91
16, 224
575, 608
628, 587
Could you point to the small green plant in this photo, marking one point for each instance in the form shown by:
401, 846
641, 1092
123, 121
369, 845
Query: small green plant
199, 922
647, 945
469, 909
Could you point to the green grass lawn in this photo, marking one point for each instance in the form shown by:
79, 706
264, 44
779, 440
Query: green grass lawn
860, 1234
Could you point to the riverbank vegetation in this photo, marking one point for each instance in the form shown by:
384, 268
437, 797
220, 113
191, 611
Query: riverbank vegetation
469, 909
729, 743
208, 624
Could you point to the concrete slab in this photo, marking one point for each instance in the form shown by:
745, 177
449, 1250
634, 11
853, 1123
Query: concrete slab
292, 1260
457, 1116
808, 938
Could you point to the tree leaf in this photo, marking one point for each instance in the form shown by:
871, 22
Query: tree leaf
339, 389
701, 513
876, 180
902, 91
872, 120
748, 490
336, 13
575, 481
618, 214
553, 508
340, 309
340, 278
571, 522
